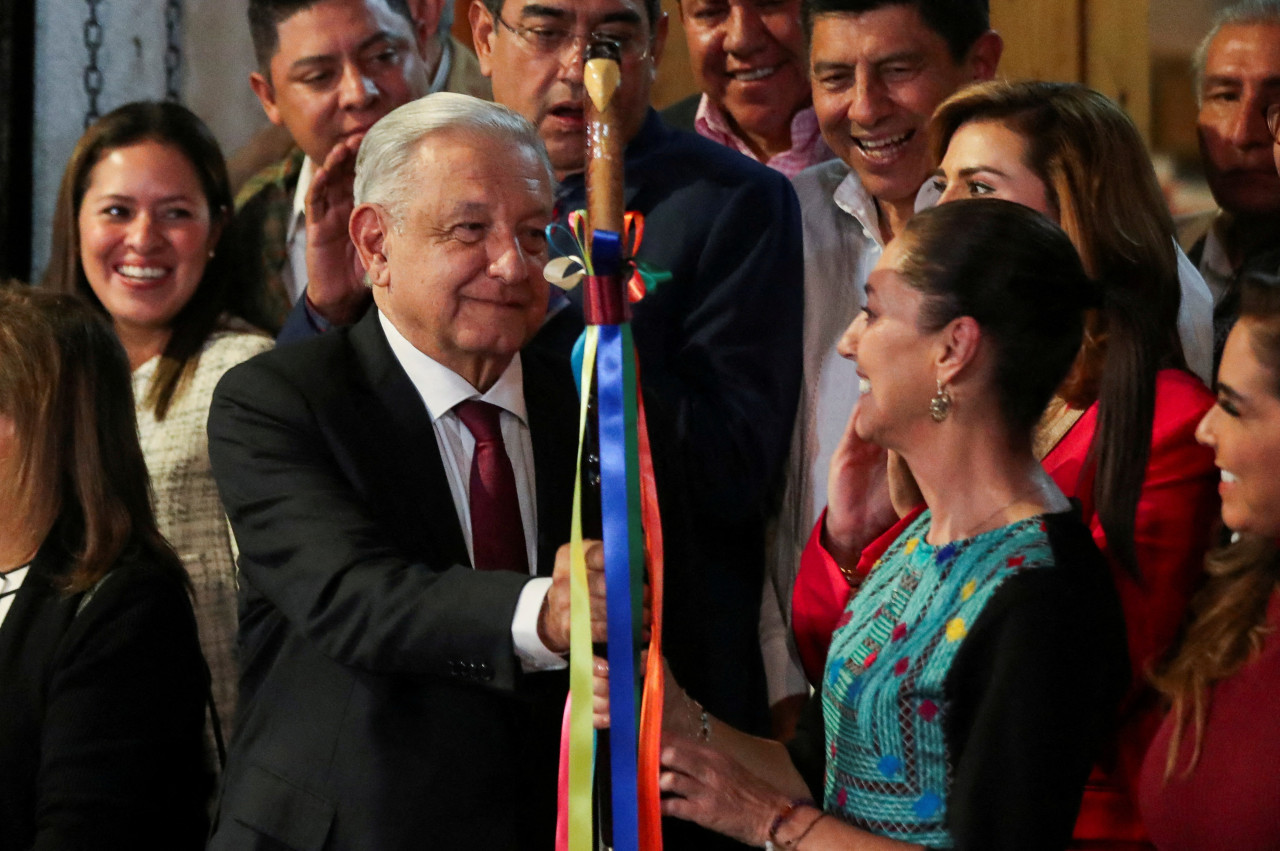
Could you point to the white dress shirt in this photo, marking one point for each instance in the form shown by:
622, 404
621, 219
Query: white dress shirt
295, 271
9, 584
441, 390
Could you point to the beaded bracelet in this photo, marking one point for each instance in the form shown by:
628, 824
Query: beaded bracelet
784, 814
795, 843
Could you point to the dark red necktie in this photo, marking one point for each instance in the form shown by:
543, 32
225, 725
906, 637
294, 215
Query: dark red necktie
497, 533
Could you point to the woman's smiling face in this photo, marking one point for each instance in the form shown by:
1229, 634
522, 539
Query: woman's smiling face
1243, 429
895, 358
145, 233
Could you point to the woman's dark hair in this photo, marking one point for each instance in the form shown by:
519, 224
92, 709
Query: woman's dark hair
1101, 184
1228, 616
220, 289
64, 381
1019, 277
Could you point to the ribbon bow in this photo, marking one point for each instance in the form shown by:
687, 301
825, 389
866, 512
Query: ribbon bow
570, 242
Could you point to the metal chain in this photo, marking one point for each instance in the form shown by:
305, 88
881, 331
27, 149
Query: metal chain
92, 73
173, 49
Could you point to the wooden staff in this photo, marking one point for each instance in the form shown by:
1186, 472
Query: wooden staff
605, 301
604, 296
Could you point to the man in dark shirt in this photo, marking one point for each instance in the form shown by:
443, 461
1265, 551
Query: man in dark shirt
718, 344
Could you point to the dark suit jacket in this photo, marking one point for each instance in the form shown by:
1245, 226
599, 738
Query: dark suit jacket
102, 713
683, 114
719, 347
382, 705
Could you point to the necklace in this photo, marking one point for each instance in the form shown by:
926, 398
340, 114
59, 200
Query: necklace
970, 531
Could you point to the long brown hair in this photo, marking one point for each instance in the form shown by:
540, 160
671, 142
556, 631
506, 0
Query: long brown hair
220, 289
1228, 615
1104, 190
64, 381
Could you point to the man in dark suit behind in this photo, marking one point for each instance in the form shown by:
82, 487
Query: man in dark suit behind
391, 695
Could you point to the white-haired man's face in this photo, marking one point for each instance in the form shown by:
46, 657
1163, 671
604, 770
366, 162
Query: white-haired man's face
458, 268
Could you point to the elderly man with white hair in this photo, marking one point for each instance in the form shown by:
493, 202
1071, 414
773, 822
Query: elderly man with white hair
400, 491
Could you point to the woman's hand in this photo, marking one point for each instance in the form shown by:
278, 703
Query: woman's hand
681, 715
860, 500
335, 275
702, 785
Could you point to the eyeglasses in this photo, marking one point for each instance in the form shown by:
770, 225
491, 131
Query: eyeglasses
552, 41
1273, 122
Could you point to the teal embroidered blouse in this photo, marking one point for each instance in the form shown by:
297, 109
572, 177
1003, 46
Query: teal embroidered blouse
967, 686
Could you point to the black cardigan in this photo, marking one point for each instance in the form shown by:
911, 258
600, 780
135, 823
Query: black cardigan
102, 713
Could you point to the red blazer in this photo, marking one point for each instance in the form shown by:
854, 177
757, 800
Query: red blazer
1172, 527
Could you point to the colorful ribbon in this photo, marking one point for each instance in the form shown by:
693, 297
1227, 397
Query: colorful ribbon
632, 541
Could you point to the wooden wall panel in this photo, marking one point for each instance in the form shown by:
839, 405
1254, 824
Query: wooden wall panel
1042, 38
675, 79
1118, 56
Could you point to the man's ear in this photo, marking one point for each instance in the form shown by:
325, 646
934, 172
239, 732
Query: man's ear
984, 56
426, 18
959, 342
659, 39
266, 96
369, 227
482, 33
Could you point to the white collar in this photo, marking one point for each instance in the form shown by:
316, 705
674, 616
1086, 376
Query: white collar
299, 217
12, 581
852, 197
444, 67
442, 389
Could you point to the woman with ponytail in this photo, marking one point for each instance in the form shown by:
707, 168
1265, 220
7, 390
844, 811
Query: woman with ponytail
1119, 434
1210, 777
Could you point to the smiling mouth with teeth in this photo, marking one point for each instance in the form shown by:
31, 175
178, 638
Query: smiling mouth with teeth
884, 148
755, 74
1229, 478
142, 273
864, 385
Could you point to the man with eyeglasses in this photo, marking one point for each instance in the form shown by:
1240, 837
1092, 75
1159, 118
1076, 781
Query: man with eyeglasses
1237, 74
718, 344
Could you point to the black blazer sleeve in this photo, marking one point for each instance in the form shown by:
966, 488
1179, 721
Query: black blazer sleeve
325, 493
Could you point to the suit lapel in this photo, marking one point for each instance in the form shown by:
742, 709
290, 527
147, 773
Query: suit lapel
552, 402
403, 440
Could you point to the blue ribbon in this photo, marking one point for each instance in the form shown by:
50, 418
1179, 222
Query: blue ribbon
612, 389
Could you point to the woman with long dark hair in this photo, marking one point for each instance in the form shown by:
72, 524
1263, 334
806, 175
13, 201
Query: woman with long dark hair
137, 232
1210, 777
102, 685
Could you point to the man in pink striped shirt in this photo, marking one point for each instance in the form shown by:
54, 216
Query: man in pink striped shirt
748, 58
